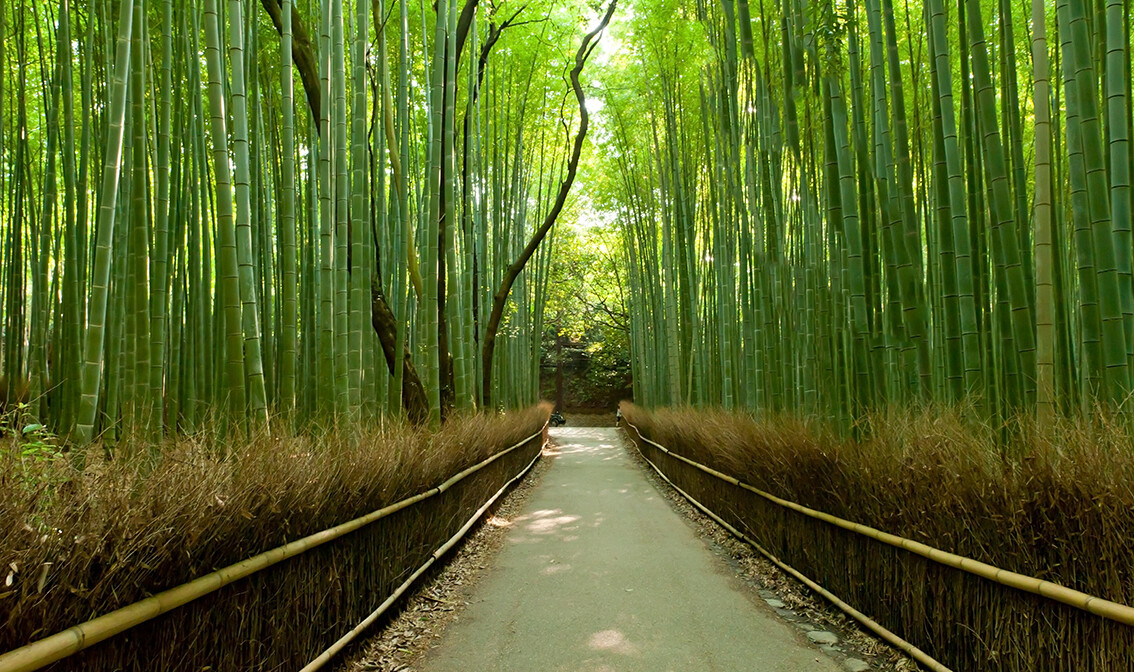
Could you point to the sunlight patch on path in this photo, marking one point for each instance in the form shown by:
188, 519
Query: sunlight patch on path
601, 574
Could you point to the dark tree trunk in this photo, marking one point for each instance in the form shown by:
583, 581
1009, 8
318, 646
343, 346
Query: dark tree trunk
414, 400
302, 53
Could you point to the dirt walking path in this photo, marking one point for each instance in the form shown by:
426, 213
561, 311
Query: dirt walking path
600, 574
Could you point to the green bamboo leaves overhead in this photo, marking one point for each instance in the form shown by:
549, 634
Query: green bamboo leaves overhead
251, 254
881, 203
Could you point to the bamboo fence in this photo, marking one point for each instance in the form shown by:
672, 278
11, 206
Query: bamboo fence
79, 637
1110, 610
346, 639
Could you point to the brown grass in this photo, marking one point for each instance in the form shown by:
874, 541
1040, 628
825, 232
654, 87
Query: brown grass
1057, 505
83, 544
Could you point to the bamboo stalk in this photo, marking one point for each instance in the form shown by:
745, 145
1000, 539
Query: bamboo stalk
94, 340
1069, 596
74, 639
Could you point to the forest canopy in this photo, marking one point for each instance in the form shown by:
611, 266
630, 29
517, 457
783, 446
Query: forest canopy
232, 211
240, 209
830, 207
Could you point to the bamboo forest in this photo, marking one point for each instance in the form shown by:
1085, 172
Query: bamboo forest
264, 257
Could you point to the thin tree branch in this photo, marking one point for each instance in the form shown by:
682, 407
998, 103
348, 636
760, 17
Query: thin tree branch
501, 296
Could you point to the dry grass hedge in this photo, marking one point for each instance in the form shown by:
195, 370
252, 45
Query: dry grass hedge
1057, 505
76, 545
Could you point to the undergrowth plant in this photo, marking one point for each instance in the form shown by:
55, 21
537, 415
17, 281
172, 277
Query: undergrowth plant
35, 449
75, 544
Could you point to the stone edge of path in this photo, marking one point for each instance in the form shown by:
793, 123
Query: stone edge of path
401, 641
826, 627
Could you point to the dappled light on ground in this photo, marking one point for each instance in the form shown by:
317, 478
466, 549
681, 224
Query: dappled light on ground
599, 574
555, 568
551, 525
612, 640
546, 522
586, 441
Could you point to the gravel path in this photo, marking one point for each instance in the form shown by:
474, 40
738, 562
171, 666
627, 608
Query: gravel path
599, 573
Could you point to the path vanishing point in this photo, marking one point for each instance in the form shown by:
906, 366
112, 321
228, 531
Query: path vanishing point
600, 574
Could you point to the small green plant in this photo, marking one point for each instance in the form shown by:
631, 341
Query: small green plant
9, 419
35, 446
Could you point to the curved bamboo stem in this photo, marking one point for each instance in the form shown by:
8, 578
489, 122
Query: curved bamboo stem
501, 296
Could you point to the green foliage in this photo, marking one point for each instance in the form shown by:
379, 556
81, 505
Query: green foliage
586, 330
36, 464
188, 240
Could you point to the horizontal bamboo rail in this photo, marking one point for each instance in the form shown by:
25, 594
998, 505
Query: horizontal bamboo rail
1114, 611
338, 646
76, 638
878, 629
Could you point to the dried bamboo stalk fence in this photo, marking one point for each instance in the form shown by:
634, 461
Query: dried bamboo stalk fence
788, 543
325, 657
299, 630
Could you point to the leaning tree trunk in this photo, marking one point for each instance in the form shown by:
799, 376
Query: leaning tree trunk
385, 326
510, 275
